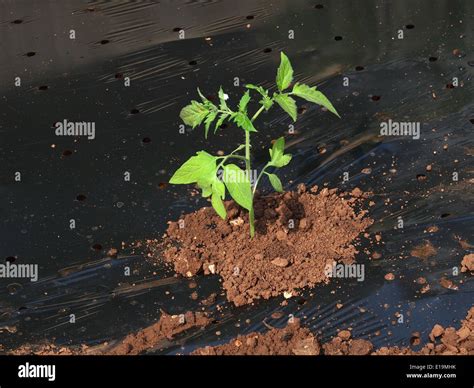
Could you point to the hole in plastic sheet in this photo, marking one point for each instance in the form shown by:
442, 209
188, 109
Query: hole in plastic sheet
97, 247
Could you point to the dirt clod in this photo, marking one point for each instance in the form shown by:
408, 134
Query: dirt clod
467, 263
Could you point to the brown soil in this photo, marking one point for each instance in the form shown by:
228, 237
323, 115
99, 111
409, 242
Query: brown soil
447, 341
297, 235
148, 338
165, 329
294, 340
291, 340
424, 250
467, 263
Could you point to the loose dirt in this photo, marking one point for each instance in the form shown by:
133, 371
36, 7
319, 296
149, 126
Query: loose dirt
298, 234
291, 340
295, 340
151, 337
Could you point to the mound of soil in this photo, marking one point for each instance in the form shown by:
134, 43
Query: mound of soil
165, 329
292, 340
151, 337
295, 340
297, 235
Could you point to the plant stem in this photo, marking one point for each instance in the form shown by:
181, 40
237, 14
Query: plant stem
248, 168
258, 178
257, 113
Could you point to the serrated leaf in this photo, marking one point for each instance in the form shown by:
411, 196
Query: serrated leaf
244, 101
278, 147
209, 119
275, 182
277, 156
284, 73
287, 103
221, 120
259, 89
200, 168
238, 185
222, 99
193, 114
242, 121
312, 95
203, 98
218, 205
252, 86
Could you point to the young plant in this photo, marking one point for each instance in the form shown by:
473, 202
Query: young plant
215, 174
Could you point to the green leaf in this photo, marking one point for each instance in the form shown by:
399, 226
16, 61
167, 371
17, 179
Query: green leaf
275, 181
244, 101
238, 184
242, 120
221, 120
278, 158
281, 161
218, 205
284, 73
252, 86
206, 191
194, 113
218, 187
259, 89
267, 102
287, 103
209, 119
312, 95
200, 168
203, 98
223, 103
278, 147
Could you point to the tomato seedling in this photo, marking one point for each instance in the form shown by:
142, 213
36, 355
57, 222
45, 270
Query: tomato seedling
213, 174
